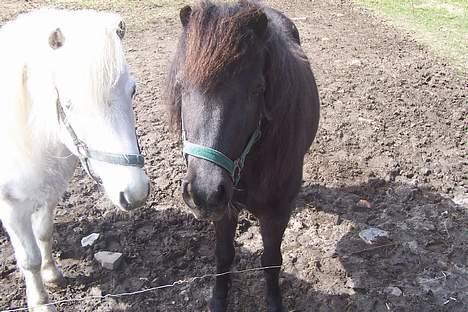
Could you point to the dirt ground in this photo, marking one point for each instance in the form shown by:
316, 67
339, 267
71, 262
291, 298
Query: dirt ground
393, 132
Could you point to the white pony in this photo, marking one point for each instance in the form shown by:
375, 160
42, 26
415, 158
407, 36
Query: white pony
65, 94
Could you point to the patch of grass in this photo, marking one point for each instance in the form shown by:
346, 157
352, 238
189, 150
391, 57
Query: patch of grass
440, 24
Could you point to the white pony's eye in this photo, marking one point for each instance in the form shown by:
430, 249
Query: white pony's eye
134, 90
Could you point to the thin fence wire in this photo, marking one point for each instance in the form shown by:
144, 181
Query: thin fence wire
187, 281
142, 291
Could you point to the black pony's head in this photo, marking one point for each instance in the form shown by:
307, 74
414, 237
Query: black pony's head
221, 86
238, 65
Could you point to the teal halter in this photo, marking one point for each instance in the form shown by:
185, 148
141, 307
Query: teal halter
234, 167
84, 153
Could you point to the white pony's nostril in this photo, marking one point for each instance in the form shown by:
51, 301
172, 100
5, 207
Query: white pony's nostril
123, 200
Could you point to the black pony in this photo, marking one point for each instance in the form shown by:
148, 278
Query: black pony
240, 87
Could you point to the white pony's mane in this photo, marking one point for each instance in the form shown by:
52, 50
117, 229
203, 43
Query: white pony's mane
30, 69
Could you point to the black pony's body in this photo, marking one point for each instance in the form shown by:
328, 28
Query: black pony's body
273, 171
238, 66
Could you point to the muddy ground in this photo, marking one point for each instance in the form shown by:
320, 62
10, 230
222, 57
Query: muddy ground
393, 132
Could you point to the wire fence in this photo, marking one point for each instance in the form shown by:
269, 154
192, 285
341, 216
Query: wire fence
189, 280
142, 291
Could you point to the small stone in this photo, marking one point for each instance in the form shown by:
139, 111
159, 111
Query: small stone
338, 220
89, 240
461, 200
184, 293
413, 246
373, 235
394, 291
426, 172
95, 292
405, 193
364, 204
108, 260
357, 280
355, 62
163, 182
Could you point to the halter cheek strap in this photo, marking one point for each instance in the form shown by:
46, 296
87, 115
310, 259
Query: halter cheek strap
84, 153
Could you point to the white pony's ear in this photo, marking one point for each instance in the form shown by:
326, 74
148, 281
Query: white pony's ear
56, 39
121, 29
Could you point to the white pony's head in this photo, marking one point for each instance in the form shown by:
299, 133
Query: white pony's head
93, 89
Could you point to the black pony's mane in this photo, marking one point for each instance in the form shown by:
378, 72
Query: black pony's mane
217, 39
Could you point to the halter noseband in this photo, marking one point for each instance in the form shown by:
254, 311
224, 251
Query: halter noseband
84, 153
234, 167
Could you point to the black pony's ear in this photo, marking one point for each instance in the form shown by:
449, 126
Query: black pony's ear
259, 23
185, 14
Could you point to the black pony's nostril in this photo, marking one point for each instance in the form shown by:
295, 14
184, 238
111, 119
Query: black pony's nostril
123, 201
187, 193
201, 197
186, 188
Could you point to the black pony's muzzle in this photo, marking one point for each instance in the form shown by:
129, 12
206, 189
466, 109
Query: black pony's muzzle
207, 195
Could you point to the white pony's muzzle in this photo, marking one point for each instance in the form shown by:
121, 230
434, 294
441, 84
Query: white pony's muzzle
128, 188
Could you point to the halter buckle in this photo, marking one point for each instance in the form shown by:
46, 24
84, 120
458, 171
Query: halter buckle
236, 171
82, 149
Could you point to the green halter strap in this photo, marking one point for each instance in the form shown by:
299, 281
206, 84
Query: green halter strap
234, 167
84, 153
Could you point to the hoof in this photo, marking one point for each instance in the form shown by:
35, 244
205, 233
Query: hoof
52, 277
218, 305
275, 305
278, 308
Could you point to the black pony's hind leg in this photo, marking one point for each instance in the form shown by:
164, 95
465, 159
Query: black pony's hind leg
272, 229
225, 232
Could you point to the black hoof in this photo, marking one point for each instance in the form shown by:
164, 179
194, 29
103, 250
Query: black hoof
218, 304
276, 308
275, 305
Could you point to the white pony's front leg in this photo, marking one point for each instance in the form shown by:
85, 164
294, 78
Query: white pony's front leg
43, 227
17, 221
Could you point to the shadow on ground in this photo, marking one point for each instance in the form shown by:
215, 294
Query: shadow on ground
422, 266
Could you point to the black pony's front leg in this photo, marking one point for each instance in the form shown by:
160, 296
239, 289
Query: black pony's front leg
272, 229
225, 232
